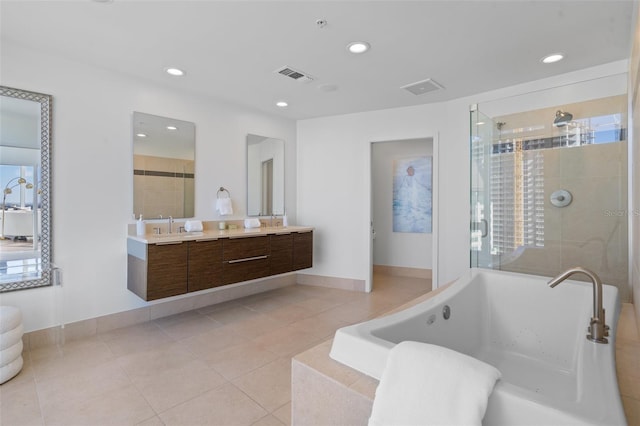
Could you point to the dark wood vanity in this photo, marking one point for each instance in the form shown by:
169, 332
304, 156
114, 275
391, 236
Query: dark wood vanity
159, 268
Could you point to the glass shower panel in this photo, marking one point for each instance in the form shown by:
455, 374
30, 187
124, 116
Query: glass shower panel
481, 142
545, 198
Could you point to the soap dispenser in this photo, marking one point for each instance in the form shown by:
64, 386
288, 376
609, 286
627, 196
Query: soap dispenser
140, 228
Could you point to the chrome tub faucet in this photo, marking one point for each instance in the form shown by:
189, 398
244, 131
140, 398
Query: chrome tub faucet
598, 330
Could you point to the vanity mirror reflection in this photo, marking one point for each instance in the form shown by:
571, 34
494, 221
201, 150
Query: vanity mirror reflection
25, 239
163, 167
265, 176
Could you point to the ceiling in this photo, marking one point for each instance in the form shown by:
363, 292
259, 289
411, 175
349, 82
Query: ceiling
230, 49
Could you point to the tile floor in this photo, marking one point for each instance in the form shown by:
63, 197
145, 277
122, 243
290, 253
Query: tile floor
226, 364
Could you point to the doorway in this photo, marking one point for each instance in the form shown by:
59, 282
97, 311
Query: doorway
403, 201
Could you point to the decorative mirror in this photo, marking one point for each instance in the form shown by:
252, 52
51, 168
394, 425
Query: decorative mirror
25, 178
163, 167
265, 176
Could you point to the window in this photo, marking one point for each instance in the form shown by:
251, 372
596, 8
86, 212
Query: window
15, 194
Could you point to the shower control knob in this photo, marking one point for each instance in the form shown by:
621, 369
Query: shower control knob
561, 198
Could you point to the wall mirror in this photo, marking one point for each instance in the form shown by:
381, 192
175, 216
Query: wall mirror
163, 167
265, 176
25, 172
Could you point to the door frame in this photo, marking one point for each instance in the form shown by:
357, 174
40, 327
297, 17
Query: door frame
434, 214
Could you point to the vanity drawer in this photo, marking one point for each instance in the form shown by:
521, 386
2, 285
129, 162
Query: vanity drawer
242, 248
245, 259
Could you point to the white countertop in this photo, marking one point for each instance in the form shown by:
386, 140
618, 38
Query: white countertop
215, 234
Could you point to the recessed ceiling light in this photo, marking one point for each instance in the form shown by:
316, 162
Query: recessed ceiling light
358, 47
172, 128
550, 59
282, 104
141, 135
176, 72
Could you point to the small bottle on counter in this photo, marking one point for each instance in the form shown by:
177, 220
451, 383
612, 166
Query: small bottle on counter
140, 227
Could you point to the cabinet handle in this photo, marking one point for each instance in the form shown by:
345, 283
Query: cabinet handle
248, 259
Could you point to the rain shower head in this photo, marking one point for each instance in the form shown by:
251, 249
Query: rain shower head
562, 118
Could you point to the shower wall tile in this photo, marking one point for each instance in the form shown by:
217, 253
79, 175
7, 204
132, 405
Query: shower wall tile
590, 161
593, 230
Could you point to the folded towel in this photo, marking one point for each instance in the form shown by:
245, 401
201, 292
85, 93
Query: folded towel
425, 384
224, 207
193, 226
252, 223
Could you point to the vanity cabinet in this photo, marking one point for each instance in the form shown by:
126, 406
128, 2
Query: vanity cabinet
204, 265
169, 268
245, 259
162, 274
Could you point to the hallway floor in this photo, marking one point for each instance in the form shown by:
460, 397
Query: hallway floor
226, 364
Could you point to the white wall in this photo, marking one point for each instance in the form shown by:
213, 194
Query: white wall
333, 175
334, 185
404, 249
92, 174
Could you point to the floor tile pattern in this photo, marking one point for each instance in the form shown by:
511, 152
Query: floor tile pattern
225, 364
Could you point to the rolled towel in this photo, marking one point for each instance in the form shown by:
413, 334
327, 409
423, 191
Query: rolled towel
224, 207
193, 226
252, 223
425, 384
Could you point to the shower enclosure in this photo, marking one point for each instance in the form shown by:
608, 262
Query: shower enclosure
549, 189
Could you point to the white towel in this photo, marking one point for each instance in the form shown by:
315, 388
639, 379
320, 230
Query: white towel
193, 226
425, 384
252, 223
224, 207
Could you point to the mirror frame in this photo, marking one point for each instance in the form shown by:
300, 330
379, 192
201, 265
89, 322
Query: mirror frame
46, 273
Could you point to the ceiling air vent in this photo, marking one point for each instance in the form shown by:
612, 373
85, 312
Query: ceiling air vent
294, 74
422, 87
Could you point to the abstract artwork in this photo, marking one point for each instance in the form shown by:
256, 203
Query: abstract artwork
412, 185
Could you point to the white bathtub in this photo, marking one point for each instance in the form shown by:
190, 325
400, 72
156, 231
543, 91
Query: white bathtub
535, 335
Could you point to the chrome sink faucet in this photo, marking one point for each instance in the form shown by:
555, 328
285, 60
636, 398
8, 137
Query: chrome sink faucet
169, 227
598, 330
